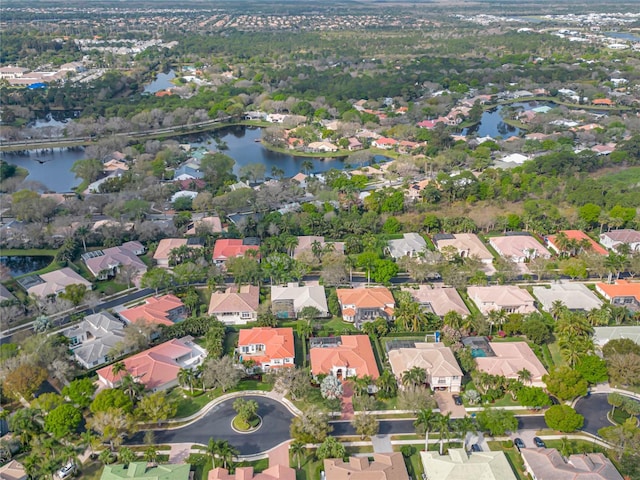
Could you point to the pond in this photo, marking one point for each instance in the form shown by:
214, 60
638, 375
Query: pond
23, 264
162, 82
492, 124
623, 36
53, 169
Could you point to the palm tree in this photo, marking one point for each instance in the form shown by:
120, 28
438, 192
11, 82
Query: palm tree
562, 242
126, 455
186, 376
414, 377
307, 166
361, 385
442, 424
464, 425
524, 375
557, 309
132, 388
118, 367
227, 452
213, 449
425, 419
298, 450
151, 454
387, 382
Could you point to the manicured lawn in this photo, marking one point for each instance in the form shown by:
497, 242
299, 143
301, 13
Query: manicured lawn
310, 470
109, 287
336, 326
577, 446
31, 252
620, 416
91, 471
554, 349
513, 456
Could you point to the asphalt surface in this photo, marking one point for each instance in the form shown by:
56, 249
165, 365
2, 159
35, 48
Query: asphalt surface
594, 409
216, 423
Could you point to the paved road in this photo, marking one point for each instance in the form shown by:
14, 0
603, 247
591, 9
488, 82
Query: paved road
216, 423
594, 409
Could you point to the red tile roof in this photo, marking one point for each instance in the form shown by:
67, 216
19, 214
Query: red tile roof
622, 288
278, 343
374, 297
155, 310
355, 352
230, 247
579, 235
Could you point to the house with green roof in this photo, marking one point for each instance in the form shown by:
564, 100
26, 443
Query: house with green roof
144, 470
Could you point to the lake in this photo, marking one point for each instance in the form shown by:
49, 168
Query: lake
20, 265
53, 170
162, 82
492, 124
623, 36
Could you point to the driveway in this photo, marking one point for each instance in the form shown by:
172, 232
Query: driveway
216, 423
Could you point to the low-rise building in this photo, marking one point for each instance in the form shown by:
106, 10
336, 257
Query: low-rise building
576, 242
465, 244
310, 243
410, 245
361, 305
93, 338
157, 368
52, 283
508, 359
615, 238
269, 348
437, 360
288, 302
226, 248
549, 464
236, 305
164, 310
621, 293
13, 470
602, 335
460, 465
518, 248
343, 357
276, 472
163, 250
438, 300
385, 466
106, 263
146, 471
574, 296
509, 298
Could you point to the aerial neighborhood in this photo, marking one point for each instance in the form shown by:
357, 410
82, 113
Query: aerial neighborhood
245, 244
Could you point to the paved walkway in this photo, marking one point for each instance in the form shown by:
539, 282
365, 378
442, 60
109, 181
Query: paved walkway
180, 451
382, 444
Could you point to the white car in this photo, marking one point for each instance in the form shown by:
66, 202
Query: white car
66, 471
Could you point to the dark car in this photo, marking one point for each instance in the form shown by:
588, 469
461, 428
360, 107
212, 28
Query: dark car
457, 400
476, 448
518, 443
539, 442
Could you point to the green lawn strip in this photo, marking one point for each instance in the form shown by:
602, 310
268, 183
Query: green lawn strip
336, 326
412, 462
231, 342
619, 416
513, 456
28, 252
300, 347
471, 306
554, 350
310, 470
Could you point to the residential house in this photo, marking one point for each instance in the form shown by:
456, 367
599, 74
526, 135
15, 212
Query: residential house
580, 240
343, 357
410, 245
385, 466
276, 472
509, 358
270, 348
164, 310
188, 172
322, 147
301, 178
607, 102
211, 224
13, 470
509, 298
157, 368
615, 238
518, 248
183, 194
226, 248
288, 302
93, 338
6, 295
428, 124
443, 371
354, 144
574, 296
438, 300
236, 305
361, 305
414, 191
52, 283
549, 464
310, 243
460, 465
163, 250
466, 244
384, 143
114, 165
621, 293
146, 471
602, 335
107, 262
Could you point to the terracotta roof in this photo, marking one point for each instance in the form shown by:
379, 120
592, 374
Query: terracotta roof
278, 344
276, 472
497, 297
518, 246
355, 351
511, 357
441, 300
622, 288
578, 235
13, 470
154, 367
385, 466
465, 242
234, 299
374, 297
155, 310
230, 247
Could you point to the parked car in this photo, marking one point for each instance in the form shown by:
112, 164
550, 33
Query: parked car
66, 471
539, 442
518, 443
457, 400
476, 448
